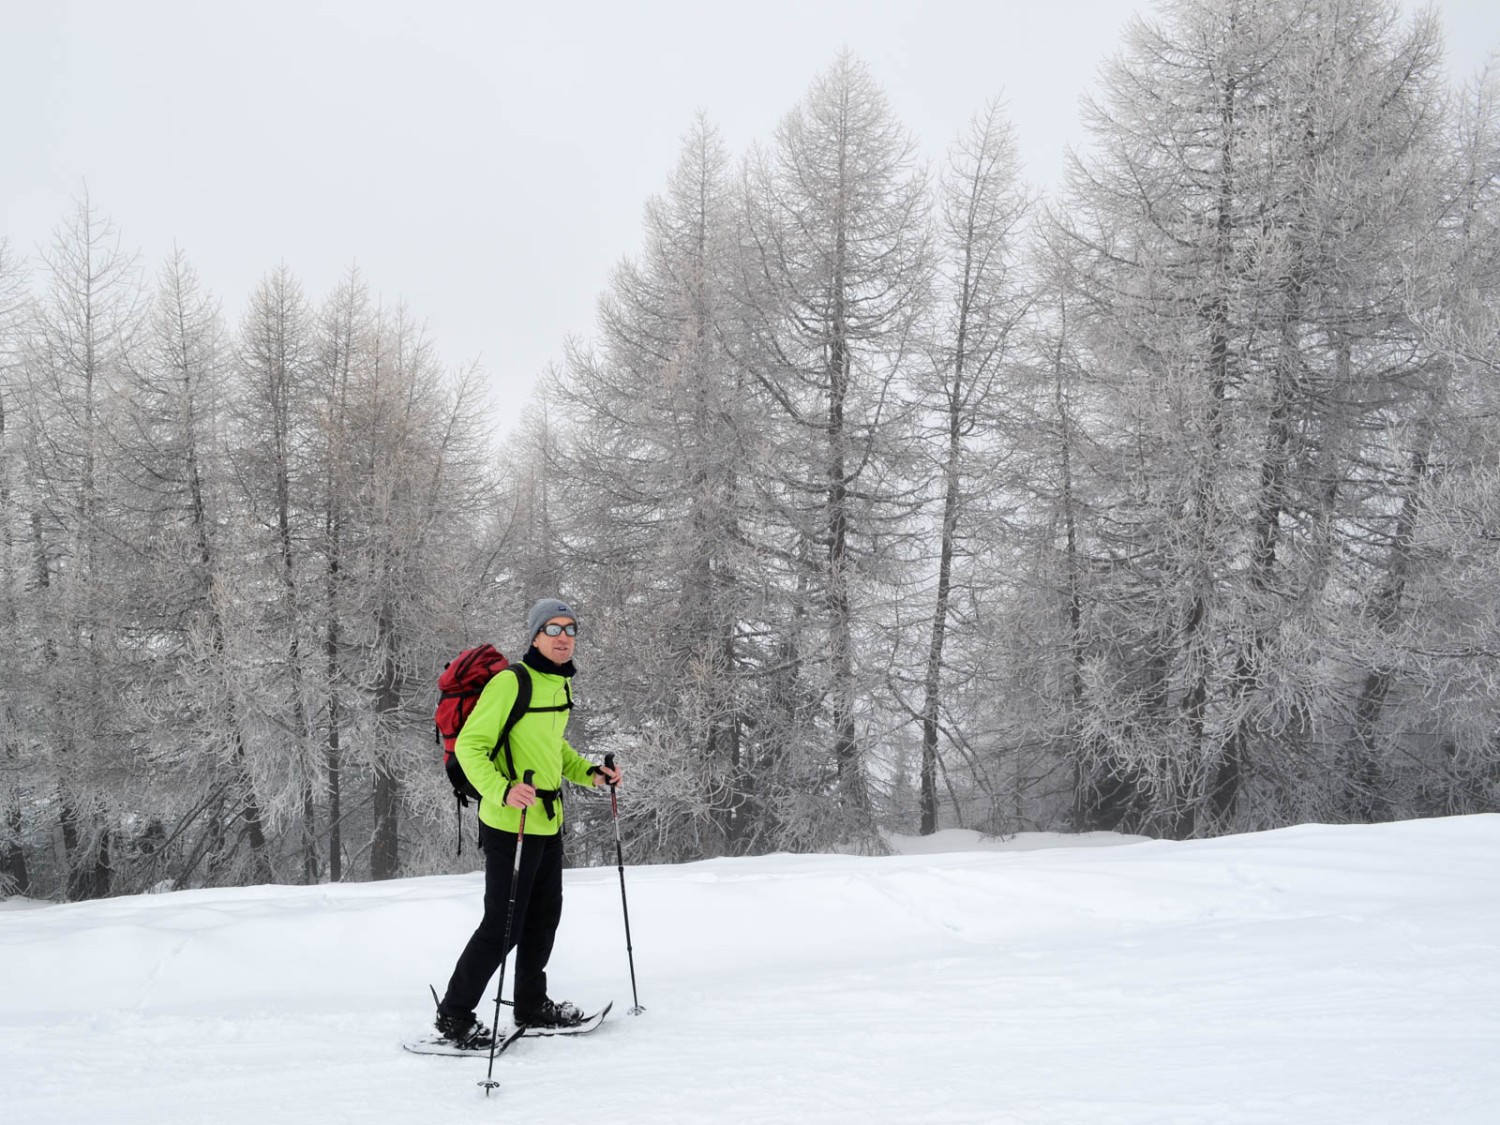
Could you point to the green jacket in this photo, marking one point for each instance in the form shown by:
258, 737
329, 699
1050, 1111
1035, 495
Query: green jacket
536, 744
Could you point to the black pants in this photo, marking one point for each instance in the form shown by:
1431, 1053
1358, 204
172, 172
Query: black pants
539, 895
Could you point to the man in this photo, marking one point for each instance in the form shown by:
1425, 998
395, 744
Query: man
536, 743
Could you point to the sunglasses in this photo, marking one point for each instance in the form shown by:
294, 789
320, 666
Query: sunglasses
553, 629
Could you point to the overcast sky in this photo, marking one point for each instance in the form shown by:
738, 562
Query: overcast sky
486, 161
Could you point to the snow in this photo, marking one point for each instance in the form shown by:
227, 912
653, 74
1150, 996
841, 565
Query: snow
1314, 974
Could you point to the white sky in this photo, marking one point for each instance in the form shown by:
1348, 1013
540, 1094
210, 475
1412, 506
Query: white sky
487, 161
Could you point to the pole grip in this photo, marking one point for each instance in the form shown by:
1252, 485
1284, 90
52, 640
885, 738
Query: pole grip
521, 828
614, 804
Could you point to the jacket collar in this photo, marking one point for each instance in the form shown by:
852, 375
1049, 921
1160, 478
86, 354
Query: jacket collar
534, 659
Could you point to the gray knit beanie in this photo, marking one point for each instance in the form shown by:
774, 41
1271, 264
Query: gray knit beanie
543, 612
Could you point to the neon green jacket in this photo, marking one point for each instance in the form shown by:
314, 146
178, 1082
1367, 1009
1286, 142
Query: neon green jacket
536, 744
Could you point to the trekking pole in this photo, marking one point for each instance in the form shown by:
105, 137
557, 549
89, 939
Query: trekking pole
614, 808
489, 1082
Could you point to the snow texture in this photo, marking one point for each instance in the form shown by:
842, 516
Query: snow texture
1313, 974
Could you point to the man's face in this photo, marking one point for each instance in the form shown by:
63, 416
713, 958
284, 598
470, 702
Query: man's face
558, 649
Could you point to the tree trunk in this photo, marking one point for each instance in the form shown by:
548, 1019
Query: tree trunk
932, 680
333, 749
13, 872
1363, 782
385, 851
1227, 772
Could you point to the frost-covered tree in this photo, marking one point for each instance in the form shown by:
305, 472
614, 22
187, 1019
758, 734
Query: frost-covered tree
179, 579
84, 329
834, 282
346, 346
274, 443
16, 750
405, 446
1422, 733
1233, 249
662, 435
981, 305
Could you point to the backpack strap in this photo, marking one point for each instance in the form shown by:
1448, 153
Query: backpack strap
568, 706
520, 707
517, 709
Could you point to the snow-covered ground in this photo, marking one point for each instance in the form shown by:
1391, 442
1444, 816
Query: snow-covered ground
1309, 975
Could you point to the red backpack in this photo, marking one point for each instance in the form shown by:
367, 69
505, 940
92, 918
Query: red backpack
463, 678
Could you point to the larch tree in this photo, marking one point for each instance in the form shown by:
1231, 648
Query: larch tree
1422, 739
980, 309
346, 346
85, 326
415, 448
17, 753
274, 451
835, 278
660, 436
178, 579
1258, 168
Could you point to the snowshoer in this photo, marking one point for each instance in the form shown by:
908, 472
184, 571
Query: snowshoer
536, 744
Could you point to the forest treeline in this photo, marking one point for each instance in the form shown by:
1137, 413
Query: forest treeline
893, 497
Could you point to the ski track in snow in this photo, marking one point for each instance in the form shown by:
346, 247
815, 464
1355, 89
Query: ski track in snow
1314, 974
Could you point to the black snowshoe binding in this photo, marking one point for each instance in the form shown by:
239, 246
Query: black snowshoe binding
549, 1013
463, 1030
